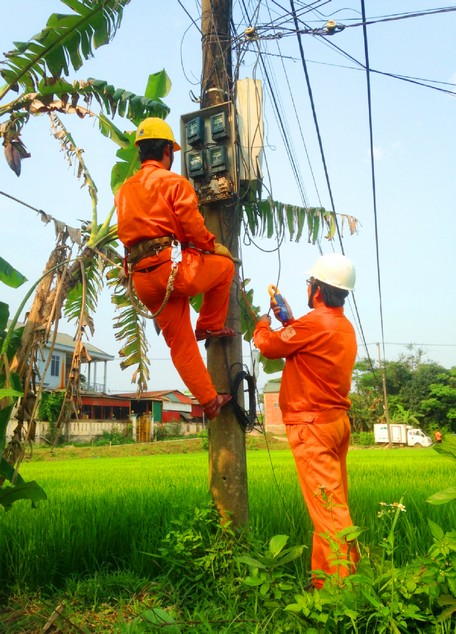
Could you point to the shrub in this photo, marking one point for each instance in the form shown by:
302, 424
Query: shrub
114, 437
166, 431
366, 438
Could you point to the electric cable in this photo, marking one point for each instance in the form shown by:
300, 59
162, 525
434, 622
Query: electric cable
246, 416
374, 189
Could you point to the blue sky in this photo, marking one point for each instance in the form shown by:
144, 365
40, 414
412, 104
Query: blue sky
414, 151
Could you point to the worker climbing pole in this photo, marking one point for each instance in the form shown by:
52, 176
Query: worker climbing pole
227, 456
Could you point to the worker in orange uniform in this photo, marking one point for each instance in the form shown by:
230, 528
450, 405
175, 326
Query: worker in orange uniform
319, 350
168, 246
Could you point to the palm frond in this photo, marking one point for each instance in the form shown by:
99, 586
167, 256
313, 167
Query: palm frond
129, 329
125, 103
82, 300
73, 154
66, 40
268, 218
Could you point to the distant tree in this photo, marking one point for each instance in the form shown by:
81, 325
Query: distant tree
366, 409
440, 406
405, 416
417, 389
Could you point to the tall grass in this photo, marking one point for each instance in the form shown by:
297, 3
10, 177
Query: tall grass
103, 514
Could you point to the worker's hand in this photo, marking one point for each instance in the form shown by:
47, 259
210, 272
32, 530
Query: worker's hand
221, 249
276, 310
265, 318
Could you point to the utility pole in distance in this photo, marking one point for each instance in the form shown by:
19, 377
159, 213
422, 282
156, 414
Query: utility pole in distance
227, 456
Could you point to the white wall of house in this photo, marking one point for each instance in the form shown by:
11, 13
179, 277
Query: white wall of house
55, 375
79, 431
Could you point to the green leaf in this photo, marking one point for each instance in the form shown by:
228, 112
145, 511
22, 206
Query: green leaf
9, 275
24, 491
9, 392
8, 471
4, 315
350, 533
66, 37
435, 529
277, 543
161, 619
290, 555
253, 582
250, 561
442, 497
158, 85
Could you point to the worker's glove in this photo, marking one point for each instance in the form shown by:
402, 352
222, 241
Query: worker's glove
221, 249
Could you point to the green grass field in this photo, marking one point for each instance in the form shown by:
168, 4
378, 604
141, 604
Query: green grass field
105, 512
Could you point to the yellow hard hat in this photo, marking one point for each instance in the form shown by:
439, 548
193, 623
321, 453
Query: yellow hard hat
155, 128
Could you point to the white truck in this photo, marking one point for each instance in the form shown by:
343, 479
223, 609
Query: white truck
401, 434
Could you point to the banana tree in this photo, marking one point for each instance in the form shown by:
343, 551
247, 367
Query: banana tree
36, 73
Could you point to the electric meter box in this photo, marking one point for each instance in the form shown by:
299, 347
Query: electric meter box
195, 164
194, 131
217, 159
219, 126
209, 152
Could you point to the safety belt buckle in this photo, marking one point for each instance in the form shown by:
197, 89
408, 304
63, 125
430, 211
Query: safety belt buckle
176, 252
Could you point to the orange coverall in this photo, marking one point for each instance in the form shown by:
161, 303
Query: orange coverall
155, 203
320, 351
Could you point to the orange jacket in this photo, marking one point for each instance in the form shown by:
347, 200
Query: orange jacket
320, 352
155, 203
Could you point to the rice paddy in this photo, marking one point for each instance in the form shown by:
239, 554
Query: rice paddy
104, 513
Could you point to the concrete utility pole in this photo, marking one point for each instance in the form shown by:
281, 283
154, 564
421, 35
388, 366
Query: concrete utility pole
227, 457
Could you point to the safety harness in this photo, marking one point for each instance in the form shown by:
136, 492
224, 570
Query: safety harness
145, 249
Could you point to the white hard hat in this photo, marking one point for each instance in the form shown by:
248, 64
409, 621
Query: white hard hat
335, 270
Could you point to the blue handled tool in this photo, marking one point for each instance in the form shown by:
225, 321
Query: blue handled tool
277, 300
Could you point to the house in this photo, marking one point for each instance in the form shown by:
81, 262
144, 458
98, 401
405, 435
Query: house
272, 415
162, 407
102, 412
93, 377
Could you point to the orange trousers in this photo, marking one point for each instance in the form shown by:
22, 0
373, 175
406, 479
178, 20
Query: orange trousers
197, 273
320, 452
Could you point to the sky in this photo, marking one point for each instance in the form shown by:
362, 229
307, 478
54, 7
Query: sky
403, 250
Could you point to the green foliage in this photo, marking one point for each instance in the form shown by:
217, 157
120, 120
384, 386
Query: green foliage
268, 218
419, 394
104, 587
363, 438
268, 572
113, 437
11, 390
66, 39
204, 435
9, 275
166, 431
418, 597
198, 555
129, 329
440, 406
50, 406
23, 491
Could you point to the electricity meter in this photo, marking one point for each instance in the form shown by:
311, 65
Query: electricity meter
195, 164
217, 159
219, 126
194, 131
